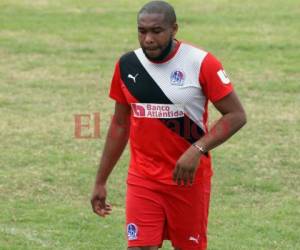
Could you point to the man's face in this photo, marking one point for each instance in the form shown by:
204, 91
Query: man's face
154, 33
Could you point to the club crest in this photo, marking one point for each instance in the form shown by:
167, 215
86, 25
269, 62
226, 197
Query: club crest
132, 231
177, 77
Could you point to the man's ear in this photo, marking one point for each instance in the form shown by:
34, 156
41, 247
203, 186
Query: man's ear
175, 29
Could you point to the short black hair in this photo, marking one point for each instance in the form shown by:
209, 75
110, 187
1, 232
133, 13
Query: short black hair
159, 7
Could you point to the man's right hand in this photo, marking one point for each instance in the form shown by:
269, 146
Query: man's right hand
99, 205
115, 143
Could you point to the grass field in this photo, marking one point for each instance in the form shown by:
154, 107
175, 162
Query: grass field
56, 60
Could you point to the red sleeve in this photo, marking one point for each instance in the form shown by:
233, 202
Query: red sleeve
116, 91
213, 79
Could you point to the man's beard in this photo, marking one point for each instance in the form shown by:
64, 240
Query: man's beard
163, 54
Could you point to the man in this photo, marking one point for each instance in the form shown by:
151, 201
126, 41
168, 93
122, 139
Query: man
161, 91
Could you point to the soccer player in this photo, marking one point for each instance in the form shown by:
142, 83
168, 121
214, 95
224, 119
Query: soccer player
162, 91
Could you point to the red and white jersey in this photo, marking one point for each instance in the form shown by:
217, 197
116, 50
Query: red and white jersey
169, 107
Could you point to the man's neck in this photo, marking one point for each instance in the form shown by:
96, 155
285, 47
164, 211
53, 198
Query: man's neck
170, 49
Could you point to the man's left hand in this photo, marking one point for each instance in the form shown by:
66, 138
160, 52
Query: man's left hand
186, 166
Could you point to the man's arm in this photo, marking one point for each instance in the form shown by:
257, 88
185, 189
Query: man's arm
233, 118
115, 143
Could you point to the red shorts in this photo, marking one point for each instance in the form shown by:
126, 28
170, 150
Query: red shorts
156, 211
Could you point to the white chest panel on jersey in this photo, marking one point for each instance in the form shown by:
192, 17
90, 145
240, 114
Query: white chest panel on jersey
178, 78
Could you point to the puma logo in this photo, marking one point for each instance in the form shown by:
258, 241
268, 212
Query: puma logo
195, 239
133, 77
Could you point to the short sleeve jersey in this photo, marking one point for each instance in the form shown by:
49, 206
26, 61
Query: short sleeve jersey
168, 107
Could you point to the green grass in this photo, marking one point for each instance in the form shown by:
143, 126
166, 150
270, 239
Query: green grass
56, 60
